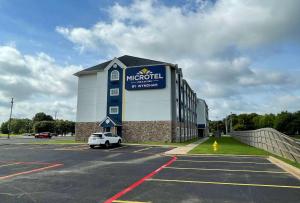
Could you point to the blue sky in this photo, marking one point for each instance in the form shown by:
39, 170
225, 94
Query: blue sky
238, 55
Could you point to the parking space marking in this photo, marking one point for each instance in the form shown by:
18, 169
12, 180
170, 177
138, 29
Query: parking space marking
126, 201
30, 171
140, 150
116, 148
73, 148
225, 183
137, 183
11, 164
231, 170
231, 162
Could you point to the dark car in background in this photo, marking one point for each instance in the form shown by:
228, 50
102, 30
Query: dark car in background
43, 135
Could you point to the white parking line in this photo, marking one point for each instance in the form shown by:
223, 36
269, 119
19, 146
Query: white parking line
221, 169
11, 164
231, 162
140, 150
116, 148
225, 183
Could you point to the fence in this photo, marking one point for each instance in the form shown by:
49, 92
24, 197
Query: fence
270, 140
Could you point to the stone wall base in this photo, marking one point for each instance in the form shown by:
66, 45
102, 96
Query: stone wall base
132, 131
141, 131
84, 129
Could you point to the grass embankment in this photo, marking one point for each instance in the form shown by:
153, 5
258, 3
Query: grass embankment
296, 137
5, 135
227, 145
297, 165
165, 143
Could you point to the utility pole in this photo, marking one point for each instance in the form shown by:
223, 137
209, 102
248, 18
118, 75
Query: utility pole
9, 124
226, 125
55, 114
231, 122
217, 124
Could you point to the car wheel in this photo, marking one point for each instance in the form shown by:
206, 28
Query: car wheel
107, 144
92, 146
119, 143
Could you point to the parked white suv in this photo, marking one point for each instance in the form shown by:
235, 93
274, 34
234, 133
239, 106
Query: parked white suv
104, 139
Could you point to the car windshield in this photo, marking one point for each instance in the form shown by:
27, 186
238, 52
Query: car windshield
96, 135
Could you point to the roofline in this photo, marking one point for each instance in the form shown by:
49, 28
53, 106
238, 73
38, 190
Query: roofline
86, 72
83, 72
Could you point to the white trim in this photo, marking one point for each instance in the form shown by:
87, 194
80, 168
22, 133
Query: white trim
117, 61
106, 119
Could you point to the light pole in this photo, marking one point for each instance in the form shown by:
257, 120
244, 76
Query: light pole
9, 124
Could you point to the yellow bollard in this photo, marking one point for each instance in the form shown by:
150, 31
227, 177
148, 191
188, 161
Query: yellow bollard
215, 146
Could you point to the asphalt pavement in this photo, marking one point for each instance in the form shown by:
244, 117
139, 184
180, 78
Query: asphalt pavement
75, 173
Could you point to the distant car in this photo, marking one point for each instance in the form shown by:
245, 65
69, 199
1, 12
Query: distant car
104, 139
43, 135
53, 134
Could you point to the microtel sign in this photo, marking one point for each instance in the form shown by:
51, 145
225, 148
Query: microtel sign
150, 77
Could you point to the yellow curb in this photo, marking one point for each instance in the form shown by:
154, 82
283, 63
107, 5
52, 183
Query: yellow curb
229, 155
287, 167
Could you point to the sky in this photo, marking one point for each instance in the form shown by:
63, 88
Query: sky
240, 56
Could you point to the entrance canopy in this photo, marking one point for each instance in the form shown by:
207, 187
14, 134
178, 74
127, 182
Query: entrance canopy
109, 123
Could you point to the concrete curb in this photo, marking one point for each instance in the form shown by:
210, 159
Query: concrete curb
185, 149
148, 145
287, 167
229, 155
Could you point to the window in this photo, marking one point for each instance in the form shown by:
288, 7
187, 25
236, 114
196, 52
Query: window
114, 75
113, 110
108, 135
114, 92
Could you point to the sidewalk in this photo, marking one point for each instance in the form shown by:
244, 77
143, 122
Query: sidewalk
187, 148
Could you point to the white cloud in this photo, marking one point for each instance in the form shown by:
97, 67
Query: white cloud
211, 42
37, 83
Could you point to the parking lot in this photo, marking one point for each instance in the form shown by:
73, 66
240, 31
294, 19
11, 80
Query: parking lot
75, 173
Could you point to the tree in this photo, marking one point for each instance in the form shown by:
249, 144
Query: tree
41, 116
4, 127
239, 126
44, 126
282, 121
18, 126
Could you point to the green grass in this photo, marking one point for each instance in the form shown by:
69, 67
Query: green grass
58, 142
227, 145
5, 135
297, 165
296, 137
166, 143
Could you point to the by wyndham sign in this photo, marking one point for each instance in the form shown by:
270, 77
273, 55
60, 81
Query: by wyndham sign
146, 77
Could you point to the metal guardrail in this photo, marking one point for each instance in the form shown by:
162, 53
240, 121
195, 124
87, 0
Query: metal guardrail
270, 140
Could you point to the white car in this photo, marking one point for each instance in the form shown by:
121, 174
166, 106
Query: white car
104, 139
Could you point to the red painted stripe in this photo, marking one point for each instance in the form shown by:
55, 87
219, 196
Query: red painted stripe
137, 183
31, 171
